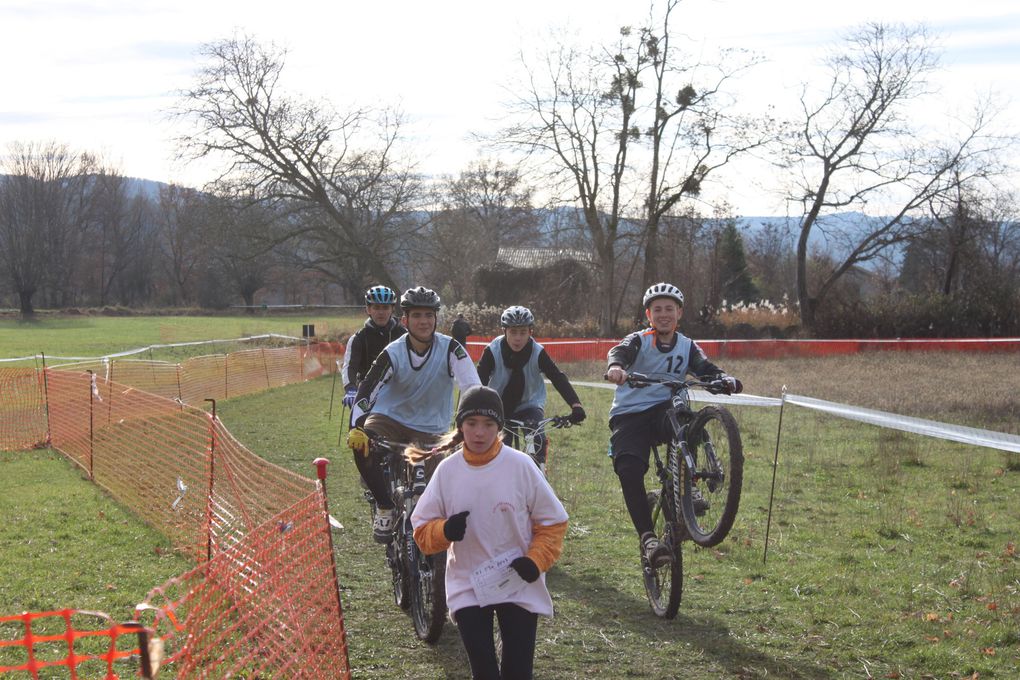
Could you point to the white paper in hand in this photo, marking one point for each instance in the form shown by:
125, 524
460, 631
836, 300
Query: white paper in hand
494, 581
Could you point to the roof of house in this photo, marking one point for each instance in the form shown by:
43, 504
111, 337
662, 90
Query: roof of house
531, 258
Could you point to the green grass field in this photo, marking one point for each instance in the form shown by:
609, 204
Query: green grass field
891, 555
98, 335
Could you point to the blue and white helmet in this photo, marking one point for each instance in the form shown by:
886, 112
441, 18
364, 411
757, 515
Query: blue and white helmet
516, 316
663, 290
380, 295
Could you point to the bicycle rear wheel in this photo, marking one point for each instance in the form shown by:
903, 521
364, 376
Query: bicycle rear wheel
710, 494
665, 585
428, 595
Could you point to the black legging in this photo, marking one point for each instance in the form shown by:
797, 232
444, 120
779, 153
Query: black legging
517, 628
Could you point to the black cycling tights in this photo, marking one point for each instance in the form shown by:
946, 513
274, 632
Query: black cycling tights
371, 471
517, 628
631, 471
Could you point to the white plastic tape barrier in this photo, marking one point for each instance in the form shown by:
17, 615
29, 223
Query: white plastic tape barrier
929, 428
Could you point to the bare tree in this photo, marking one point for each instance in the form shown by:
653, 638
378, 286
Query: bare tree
121, 237
44, 205
624, 151
339, 173
856, 148
488, 205
183, 250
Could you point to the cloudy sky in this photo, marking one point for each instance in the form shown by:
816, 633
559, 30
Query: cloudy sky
100, 75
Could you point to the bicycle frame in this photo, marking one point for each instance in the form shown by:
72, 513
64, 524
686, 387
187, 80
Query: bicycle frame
522, 434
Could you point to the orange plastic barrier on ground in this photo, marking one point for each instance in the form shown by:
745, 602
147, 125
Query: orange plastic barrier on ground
70, 639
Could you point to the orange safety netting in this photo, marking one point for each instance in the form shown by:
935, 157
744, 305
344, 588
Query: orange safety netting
22, 408
23, 400
86, 643
266, 595
257, 608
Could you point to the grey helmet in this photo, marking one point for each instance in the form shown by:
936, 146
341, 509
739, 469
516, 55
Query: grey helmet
663, 290
420, 297
380, 295
516, 316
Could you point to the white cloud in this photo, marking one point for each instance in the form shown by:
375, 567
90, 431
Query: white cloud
101, 74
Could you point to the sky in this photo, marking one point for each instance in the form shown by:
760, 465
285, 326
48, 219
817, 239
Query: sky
102, 75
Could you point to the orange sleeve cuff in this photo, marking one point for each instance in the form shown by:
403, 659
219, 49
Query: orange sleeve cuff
430, 538
546, 544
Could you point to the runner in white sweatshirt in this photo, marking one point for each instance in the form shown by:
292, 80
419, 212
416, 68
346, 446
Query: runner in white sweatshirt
491, 508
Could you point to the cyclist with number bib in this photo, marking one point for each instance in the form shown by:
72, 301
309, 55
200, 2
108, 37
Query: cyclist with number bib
494, 513
407, 396
380, 329
636, 416
513, 364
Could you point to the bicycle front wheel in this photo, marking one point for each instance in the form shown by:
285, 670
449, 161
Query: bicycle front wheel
428, 595
710, 493
665, 585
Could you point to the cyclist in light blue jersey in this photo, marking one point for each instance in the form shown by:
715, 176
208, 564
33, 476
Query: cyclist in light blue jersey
407, 396
636, 416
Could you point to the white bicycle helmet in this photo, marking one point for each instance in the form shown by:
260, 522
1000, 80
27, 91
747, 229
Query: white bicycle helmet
516, 316
663, 290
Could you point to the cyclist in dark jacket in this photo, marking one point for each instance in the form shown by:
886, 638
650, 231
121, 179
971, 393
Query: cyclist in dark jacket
636, 416
380, 329
513, 364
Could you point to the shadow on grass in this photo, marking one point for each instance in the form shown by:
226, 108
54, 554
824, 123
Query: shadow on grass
708, 637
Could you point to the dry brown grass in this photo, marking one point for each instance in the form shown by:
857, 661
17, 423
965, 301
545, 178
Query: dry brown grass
978, 390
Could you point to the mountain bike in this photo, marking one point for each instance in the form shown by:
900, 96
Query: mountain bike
700, 483
704, 459
419, 580
529, 435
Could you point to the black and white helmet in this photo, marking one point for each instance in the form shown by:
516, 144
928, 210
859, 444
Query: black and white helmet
420, 297
516, 316
663, 290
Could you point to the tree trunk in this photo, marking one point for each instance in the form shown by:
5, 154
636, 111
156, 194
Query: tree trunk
25, 297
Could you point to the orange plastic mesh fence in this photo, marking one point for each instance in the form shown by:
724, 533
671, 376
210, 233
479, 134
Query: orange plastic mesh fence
23, 422
257, 608
267, 598
22, 408
86, 643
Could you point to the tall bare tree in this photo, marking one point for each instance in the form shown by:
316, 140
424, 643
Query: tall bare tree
338, 172
179, 216
625, 151
856, 148
44, 211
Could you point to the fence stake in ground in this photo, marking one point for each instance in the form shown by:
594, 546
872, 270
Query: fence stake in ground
320, 465
332, 390
775, 466
209, 497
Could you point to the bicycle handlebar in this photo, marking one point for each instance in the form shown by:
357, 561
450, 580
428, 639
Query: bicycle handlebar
676, 384
556, 422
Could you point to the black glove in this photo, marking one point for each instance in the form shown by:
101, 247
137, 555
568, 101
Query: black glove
455, 526
577, 415
525, 568
725, 384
